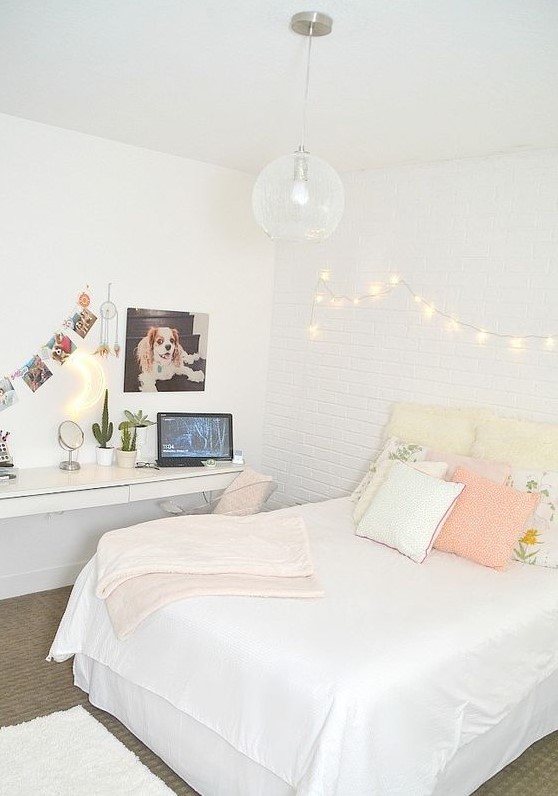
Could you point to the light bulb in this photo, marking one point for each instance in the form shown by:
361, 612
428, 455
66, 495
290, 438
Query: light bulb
299, 193
298, 198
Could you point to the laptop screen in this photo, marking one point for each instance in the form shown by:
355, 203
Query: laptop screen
185, 438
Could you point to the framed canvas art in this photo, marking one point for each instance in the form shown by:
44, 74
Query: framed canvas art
166, 350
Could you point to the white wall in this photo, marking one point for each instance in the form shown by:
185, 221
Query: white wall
169, 234
479, 238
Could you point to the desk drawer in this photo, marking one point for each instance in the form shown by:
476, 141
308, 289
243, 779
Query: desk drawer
63, 501
181, 486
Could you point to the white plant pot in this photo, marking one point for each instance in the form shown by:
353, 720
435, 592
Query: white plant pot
141, 436
141, 439
125, 458
105, 456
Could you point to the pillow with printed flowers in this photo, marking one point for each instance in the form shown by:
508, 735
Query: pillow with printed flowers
396, 450
538, 539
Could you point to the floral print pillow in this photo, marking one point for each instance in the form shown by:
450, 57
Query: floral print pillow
393, 449
538, 540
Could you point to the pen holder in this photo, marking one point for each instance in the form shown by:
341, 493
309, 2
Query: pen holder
5, 456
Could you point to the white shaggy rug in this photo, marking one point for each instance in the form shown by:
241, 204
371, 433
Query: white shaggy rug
70, 754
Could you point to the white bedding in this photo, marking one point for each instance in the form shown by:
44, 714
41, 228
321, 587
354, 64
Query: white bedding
369, 691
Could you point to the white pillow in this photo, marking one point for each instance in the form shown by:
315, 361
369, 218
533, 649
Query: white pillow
383, 469
408, 511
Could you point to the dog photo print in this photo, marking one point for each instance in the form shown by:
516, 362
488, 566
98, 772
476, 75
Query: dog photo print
166, 351
82, 321
59, 348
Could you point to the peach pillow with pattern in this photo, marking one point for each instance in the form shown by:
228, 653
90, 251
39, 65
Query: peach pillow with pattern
483, 524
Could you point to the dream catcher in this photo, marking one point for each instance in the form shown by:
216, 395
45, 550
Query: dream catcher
107, 313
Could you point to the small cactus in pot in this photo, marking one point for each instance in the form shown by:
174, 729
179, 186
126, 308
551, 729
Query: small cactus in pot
103, 432
128, 437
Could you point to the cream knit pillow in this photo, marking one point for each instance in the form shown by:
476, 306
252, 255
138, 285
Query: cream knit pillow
246, 495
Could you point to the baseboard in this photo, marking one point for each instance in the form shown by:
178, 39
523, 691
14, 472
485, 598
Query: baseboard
39, 580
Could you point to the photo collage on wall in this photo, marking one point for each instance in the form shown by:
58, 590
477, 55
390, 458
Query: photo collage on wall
39, 367
165, 351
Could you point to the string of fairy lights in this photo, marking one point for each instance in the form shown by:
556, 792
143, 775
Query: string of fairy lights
325, 296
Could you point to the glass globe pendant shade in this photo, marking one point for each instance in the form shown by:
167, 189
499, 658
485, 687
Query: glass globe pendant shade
298, 198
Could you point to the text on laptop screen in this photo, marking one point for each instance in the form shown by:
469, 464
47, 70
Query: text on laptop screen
194, 436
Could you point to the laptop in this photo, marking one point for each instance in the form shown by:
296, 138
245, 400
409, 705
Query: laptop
187, 439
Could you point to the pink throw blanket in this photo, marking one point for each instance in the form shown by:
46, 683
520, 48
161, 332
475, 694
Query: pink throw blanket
146, 566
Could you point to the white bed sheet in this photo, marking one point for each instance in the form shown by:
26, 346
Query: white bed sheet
371, 690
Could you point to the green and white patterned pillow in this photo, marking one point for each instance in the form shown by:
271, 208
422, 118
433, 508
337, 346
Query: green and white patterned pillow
394, 449
538, 540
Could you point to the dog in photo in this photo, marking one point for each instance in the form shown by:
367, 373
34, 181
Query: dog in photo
160, 357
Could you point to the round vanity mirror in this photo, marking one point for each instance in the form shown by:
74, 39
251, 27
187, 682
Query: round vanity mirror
70, 438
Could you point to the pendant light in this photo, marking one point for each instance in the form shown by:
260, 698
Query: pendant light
300, 197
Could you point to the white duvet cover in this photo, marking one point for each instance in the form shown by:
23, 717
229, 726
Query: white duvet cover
369, 691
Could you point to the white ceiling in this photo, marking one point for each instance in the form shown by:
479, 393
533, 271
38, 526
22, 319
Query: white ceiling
222, 82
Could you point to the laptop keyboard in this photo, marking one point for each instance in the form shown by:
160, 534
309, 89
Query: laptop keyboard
187, 463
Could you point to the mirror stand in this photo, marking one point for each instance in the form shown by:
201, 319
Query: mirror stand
70, 438
70, 464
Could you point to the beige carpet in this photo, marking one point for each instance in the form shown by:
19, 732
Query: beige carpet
30, 687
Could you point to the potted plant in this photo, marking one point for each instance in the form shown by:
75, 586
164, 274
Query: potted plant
137, 419
126, 454
103, 435
139, 422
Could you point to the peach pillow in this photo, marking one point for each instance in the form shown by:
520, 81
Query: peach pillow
483, 524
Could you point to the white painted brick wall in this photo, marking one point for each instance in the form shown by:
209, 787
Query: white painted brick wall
479, 238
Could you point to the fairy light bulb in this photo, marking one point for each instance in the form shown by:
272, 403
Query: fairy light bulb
452, 323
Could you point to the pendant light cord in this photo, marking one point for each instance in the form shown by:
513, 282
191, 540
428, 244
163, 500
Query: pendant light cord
303, 135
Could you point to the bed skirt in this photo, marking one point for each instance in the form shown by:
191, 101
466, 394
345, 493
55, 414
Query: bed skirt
213, 767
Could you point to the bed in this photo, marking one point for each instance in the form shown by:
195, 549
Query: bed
403, 680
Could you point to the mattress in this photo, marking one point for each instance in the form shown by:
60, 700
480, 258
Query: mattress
375, 689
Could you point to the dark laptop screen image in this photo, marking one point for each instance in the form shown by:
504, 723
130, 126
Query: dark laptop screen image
187, 438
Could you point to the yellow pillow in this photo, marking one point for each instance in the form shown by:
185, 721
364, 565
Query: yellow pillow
520, 443
439, 427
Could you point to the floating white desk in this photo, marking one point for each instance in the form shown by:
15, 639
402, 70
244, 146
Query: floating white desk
43, 490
